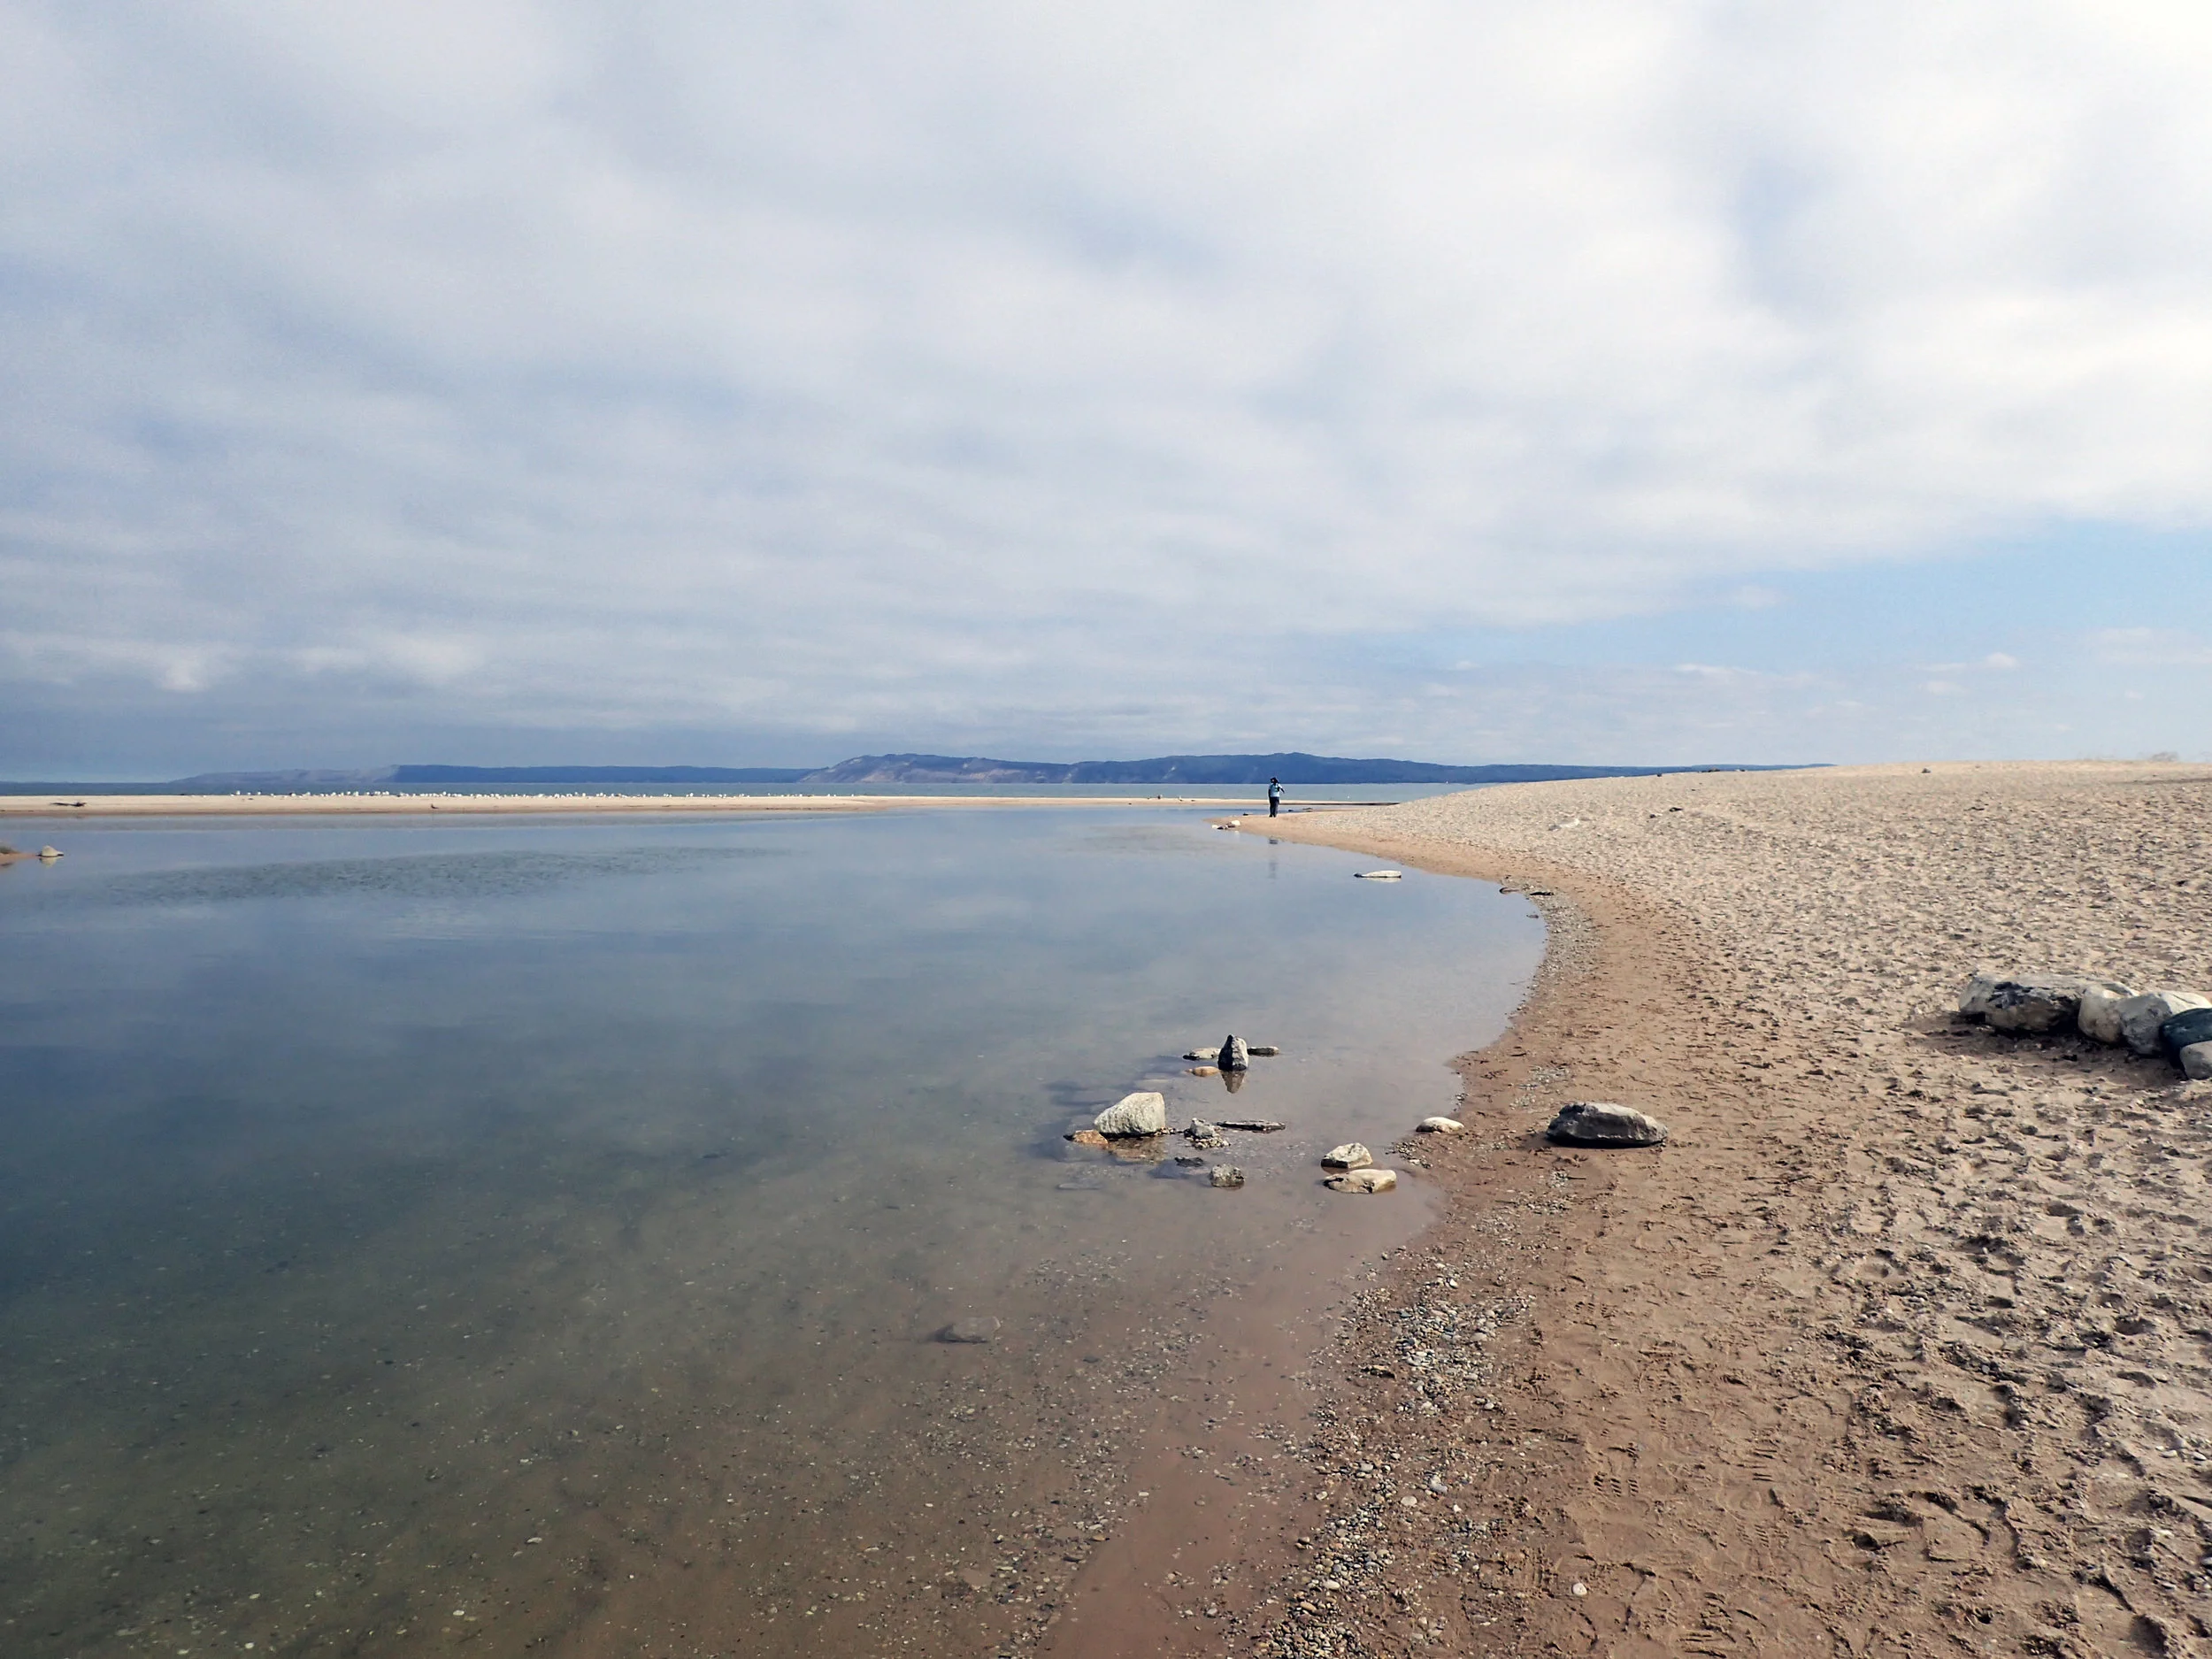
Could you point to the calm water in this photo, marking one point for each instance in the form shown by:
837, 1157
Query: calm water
533, 1235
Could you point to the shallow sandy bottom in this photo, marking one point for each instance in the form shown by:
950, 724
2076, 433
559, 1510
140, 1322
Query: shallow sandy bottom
1902, 1345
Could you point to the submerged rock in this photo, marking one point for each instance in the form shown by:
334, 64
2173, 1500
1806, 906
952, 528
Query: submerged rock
1250, 1125
1205, 1136
1087, 1138
1599, 1123
970, 1330
1226, 1175
1440, 1126
1203, 1070
1235, 1056
2142, 1016
1363, 1181
2099, 1015
1350, 1155
1141, 1113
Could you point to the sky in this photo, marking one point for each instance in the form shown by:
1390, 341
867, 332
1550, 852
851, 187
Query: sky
738, 383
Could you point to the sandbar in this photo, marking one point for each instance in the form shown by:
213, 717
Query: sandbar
1901, 1344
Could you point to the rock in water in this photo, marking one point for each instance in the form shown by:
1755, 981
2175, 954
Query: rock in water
2186, 1030
1204, 1056
1350, 1155
1226, 1175
1363, 1181
2099, 1015
1380, 875
1087, 1138
1142, 1113
1235, 1056
2196, 1061
1250, 1125
1261, 1051
1599, 1123
1440, 1126
2024, 1001
2141, 1017
1205, 1136
976, 1329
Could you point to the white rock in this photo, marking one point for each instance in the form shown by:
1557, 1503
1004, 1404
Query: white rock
2196, 1060
49, 852
1143, 1113
1600, 1122
2140, 1016
1350, 1155
1204, 1056
1440, 1126
1363, 1181
2099, 1015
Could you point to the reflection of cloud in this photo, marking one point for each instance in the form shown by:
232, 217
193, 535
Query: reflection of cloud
2150, 648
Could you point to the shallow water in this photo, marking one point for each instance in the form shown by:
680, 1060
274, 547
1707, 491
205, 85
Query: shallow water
533, 1236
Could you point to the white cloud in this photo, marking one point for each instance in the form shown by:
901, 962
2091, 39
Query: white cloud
859, 367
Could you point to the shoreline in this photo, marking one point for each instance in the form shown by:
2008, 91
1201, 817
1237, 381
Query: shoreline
311, 805
1904, 1339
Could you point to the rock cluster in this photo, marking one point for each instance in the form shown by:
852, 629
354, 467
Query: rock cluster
2167, 1021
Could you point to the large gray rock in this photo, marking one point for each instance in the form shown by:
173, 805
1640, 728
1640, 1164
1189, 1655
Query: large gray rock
2140, 1016
1350, 1155
2024, 1001
1600, 1122
2184, 1030
1235, 1056
2099, 1015
2196, 1060
1143, 1113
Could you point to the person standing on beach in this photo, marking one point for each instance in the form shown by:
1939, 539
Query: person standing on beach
1274, 796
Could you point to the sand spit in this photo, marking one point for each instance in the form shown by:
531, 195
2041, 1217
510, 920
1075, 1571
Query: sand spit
254, 805
1902, 1345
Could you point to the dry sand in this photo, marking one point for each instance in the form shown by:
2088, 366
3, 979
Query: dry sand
1902, 1345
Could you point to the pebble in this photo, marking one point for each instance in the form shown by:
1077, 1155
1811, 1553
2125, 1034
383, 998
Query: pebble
1227, 1175
976, 1329
1441, 1125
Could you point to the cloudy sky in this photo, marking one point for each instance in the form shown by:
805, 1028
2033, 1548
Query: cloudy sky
728, 383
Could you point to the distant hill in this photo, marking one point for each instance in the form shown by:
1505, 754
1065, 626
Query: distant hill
1293, 768
889, 771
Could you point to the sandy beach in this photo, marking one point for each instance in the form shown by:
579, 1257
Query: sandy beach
1902, 1345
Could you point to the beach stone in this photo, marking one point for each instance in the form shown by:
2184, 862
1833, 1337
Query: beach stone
1599, 1123
970, 1330
1226, 1175
1235, 1056
1190, 1162
1363, 1181
1261, 1051
1142, 1113
2185, 1029
2141, 1017
2196, 1061
1087, 1138
1205, 1136
1250, 1125
2099, 1015
2023, 1002
49, 852
1440, 1126
1350, 1155
1204, 1056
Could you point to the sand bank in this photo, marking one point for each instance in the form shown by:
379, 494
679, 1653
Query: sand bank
257, 805
1903, 1344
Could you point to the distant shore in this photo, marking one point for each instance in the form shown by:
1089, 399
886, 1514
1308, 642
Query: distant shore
304, 805
1902, 1331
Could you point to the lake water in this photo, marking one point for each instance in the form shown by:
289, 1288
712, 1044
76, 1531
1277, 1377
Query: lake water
535, 1236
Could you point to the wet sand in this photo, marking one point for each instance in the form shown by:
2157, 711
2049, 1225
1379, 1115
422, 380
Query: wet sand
1902, 1345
